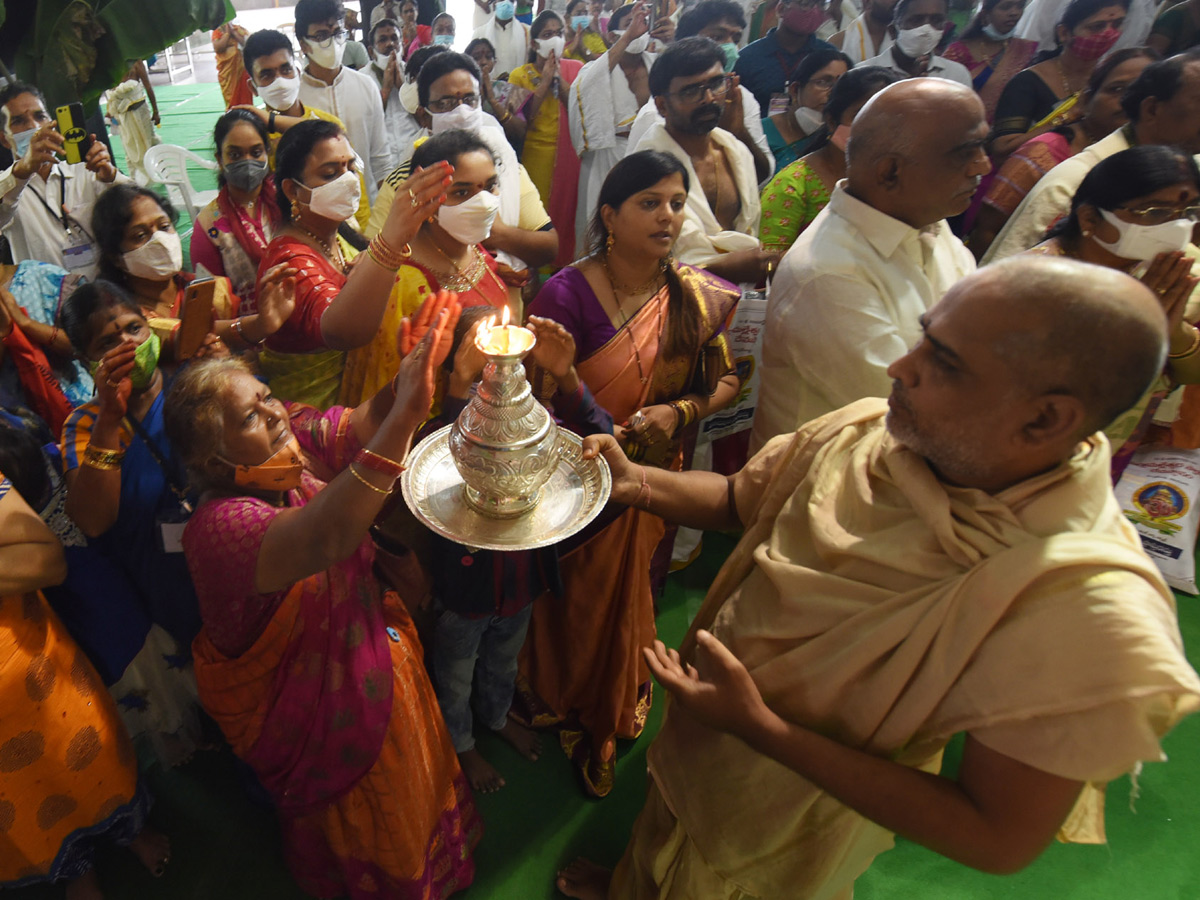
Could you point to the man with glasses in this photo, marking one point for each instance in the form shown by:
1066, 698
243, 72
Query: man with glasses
849, 295
766, 66
721, 218
1163, 106
722, 22
916, 30
522, 236
351, 96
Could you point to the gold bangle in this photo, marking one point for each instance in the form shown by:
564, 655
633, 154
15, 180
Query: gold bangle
1195, 345
362, 480
387, 256
100, 458
102, 466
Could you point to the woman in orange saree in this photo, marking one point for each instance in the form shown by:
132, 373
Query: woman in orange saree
313, 671
655, 356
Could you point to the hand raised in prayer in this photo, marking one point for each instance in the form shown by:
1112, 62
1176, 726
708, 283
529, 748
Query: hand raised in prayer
417, 375
276, 298
717, 691
417, 199
626, 475
413, 329
1170, 277
555, 347
733, 115
113, 386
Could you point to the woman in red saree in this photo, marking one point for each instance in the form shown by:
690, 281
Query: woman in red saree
990, 52
652, 350
312, 670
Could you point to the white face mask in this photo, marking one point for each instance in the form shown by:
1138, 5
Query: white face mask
990, 32
917, 42
157, 259
337, 200
555, 45
809, 119
468, 118
638, 45
470, 221
409, 97
281, 93
326, 57
1144, 242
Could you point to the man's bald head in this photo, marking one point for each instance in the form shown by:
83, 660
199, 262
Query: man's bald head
1019, 362
1089, 331
916, 150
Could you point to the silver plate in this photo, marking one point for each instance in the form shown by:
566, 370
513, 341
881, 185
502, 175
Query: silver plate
573, 496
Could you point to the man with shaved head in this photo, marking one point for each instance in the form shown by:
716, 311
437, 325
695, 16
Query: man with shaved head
948, 562
846, 299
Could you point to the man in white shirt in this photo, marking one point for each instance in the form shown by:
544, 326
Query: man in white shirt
721, 218
45, 204
351, 96
1163, 105
868, 34
848, 297
508, 36
722, 22
604, 100
917, 29
390, 72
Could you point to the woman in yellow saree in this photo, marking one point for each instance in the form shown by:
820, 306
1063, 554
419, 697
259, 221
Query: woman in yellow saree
652, 350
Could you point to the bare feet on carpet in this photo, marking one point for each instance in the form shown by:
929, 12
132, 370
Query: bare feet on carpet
85, 887
584, 880
153, 849
481, 774
527, 743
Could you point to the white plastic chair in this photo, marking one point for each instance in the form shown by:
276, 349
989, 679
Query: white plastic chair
167, 164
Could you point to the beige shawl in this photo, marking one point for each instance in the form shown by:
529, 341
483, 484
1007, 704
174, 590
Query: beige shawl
890, 611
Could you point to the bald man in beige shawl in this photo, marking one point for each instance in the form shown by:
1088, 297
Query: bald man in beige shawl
949, 560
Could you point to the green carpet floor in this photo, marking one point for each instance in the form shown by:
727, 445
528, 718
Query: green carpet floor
225, 848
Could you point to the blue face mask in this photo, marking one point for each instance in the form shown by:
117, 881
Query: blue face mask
444, 39
21, 142
730, 50
580, 22
505, 10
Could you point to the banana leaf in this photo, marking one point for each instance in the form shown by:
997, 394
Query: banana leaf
81, 48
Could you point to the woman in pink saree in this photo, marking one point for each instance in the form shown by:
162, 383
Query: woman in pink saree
312, 670
652, 350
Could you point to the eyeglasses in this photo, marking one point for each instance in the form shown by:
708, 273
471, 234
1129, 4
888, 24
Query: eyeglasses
825, 83
325, 39
445, 104
694, 93
1158, 215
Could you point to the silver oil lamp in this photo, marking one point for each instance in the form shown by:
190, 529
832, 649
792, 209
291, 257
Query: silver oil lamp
504, 444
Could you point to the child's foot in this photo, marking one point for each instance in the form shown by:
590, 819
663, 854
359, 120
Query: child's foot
526, 742
85, 887
480, 773
153, 848
584, 880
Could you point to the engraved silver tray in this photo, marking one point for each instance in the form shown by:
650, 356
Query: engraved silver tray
571, 498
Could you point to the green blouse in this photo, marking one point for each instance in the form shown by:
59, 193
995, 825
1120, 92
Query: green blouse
790, 201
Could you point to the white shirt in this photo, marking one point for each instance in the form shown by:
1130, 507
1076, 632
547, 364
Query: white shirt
939, 67
402, 127
1050, 198
845, 305
752, 114
34, 224
511, 43
354, 98
858, 44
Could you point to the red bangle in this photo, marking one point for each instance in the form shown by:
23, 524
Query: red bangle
376, 463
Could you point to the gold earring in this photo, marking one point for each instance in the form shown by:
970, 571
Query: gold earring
608, 245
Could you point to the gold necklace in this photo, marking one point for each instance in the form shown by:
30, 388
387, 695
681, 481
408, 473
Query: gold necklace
652, 282
332, 253
1062, 73
460, 280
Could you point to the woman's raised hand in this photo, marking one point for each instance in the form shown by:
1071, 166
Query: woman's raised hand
417, 199
1170, 277
276, 298
414, 329
417, 375
113, 385
555, 347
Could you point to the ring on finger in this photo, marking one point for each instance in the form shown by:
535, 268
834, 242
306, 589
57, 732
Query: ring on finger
413, 199
111, 383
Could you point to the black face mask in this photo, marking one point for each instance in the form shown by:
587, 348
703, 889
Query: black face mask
246, 174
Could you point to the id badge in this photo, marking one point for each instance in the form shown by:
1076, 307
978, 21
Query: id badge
170, 535
79, 256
